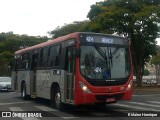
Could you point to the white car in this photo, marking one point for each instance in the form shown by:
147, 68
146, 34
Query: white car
144, 81
5, 84
154, 82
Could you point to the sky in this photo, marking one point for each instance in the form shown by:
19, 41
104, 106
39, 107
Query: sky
37, 17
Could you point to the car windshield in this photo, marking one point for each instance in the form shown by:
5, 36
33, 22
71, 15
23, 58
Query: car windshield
5, 79
99, 62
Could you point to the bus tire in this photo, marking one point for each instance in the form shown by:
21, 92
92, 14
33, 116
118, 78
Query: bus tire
56, 99
23, 92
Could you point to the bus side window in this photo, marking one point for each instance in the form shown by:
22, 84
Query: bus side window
43, 57
16, 65
25, 61
57, 61
70, 59
54, 56
34, 62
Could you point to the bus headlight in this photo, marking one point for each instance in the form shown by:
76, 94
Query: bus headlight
129, 85
84, 87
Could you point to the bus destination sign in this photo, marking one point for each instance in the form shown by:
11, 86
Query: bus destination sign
105, 39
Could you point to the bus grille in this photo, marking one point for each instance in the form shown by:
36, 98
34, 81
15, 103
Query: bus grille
105, 83
104, 97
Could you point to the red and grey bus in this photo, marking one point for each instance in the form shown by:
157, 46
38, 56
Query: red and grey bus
79, 68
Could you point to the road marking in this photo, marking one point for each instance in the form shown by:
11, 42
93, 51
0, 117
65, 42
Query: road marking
44, 108
14, 103
69, 117
122, 110
146, 95
136, 107
99, 114
58, 113
145, 104
155, 102
14, 109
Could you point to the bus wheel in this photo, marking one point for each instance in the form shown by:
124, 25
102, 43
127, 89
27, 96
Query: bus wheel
23, 91
56, 99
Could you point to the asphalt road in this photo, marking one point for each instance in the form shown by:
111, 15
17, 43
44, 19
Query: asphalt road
142, 105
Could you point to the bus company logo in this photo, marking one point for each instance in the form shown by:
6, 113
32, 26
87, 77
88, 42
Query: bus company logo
43, 76
110, 80
89, 39
6, 114
21, 114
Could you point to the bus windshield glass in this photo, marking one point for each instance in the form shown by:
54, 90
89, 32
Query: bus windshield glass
104, 62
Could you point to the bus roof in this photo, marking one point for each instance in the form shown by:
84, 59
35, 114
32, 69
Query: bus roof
47, 43
57, 40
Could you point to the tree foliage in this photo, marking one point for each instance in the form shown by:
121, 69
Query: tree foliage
158, 49
137, 19
146, 72
156, 61
77, 26
9, 43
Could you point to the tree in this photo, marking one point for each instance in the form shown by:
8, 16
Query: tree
137, 19
146, 72
77, 26
156, 61
9, 43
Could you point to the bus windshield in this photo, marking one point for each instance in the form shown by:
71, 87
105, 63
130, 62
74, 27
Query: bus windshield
104, 62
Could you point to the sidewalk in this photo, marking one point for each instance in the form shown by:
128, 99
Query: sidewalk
146, 90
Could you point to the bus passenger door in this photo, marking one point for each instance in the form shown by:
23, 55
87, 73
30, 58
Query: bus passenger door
33, 78
14, 81
70, 66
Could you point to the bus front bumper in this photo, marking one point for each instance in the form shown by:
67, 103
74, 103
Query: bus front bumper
93, 98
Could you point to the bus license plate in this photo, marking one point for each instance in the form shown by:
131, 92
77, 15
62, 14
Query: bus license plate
110, 100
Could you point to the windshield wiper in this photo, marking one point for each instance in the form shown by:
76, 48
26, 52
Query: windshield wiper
115, 51
100, 51
110, 57
104, 55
